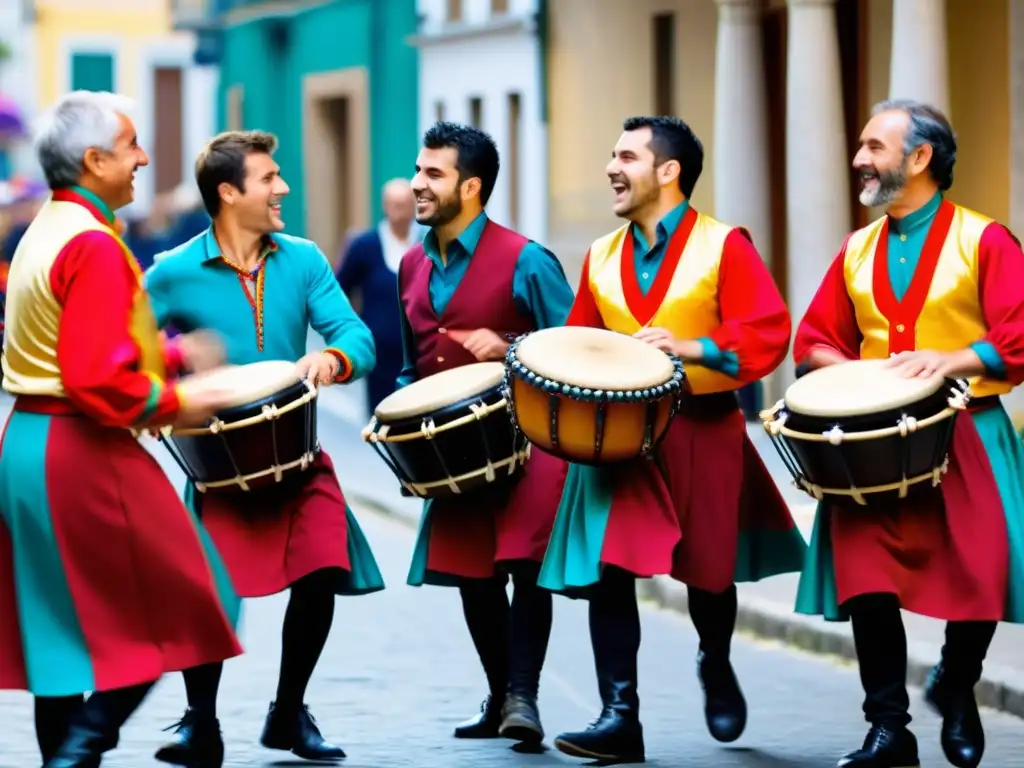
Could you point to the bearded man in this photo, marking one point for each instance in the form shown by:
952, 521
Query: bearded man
469, 290
705, 511
939, 288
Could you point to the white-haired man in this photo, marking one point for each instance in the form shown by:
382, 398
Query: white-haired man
106, 581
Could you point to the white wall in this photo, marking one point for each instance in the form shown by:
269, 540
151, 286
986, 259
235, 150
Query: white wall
489, 58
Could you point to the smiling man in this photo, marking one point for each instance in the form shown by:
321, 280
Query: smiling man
262, 290
705, 511
941, 288
466, 292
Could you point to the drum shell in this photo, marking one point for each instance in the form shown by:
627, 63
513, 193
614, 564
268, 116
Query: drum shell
464, 448
569, 428
874, 462
222, 456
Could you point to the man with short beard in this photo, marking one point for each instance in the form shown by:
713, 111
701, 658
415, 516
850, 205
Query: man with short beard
467, 291
705, 511
262, 290
941, 288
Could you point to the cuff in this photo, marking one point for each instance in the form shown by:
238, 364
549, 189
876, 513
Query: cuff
990, 358
162, 404
344, 365
714, 358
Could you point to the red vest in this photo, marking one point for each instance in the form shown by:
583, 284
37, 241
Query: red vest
482, 300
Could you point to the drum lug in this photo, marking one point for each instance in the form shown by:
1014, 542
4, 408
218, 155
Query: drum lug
772, 423
960, 395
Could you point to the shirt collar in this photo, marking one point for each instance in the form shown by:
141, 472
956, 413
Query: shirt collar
918, 218
89, 200
212, 252
467, 241
668, 225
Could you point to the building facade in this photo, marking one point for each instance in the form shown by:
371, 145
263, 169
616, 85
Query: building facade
130, 46
778, 91
17, 83
336, 81
481, 62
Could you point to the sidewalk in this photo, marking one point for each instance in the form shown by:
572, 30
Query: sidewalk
766, 608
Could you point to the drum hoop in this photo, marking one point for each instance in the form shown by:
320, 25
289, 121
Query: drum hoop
278, 470
672, 387
517, 459
267, 413
375, 432
857, 494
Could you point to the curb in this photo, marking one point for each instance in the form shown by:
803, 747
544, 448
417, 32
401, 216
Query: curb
1000, 688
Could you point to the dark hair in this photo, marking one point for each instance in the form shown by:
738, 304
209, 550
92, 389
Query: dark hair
672, 139
223, 161
477, 153
927, 126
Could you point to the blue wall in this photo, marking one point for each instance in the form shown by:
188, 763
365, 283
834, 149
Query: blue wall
343, 33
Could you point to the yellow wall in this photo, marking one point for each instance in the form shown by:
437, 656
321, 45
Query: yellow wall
599, 74
132, 23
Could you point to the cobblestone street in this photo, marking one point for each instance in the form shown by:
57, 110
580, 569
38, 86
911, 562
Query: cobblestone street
399, 672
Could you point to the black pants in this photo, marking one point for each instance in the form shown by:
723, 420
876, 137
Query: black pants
511, 638
881, 644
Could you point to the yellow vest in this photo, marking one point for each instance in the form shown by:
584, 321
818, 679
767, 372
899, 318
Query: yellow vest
33, 314
951, 316
690, 307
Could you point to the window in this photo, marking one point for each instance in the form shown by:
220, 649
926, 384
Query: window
476, 112
514, 126
664, 63
439, 111
92, 72
499, 7
454, 10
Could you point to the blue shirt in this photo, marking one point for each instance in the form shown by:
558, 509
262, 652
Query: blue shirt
193, 287
539, 286
905, 243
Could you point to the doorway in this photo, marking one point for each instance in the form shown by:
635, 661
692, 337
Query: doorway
167, 118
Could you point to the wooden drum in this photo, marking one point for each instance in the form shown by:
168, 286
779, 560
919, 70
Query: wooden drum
858, 434
592, 396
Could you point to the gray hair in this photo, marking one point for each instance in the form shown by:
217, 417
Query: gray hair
79, 121
927, 126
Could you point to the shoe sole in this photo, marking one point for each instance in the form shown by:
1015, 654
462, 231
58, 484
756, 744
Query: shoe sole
521, 732
568, 748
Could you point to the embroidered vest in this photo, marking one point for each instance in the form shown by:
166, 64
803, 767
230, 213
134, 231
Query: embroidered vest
33, 312
689, 308
482, 300
942, 308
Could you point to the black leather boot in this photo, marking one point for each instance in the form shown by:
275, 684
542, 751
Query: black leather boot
294, 730
725, 709
616, 736
529, 631
197, 742
53, 717
963, 737
96, 727
484, 725
884, 747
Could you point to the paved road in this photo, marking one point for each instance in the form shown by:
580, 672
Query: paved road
399, 672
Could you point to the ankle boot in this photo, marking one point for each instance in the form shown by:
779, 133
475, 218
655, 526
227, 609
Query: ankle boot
293, 729
616, 736
884, 747
725, 709
197, 742
963, 737
96, 727
484, 725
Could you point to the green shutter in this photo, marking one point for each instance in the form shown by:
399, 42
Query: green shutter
92, 72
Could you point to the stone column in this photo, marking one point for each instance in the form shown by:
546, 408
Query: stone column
919, 65
817, 164
742, 191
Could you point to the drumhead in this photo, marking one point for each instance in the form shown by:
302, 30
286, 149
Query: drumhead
594, 358
440, 390
250, 383
856, 388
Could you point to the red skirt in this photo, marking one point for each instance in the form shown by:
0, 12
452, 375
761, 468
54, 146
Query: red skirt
272, 538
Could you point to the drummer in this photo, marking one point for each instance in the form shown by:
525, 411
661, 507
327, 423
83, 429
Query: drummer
961, 556
302, 536
466, 292
706, 511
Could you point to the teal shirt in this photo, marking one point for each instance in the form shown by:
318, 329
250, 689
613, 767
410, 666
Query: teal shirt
905, 243
647, 261
539, 286
192, 287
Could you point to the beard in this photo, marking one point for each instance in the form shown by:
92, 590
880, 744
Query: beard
447, 210
638, 196
890, 184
